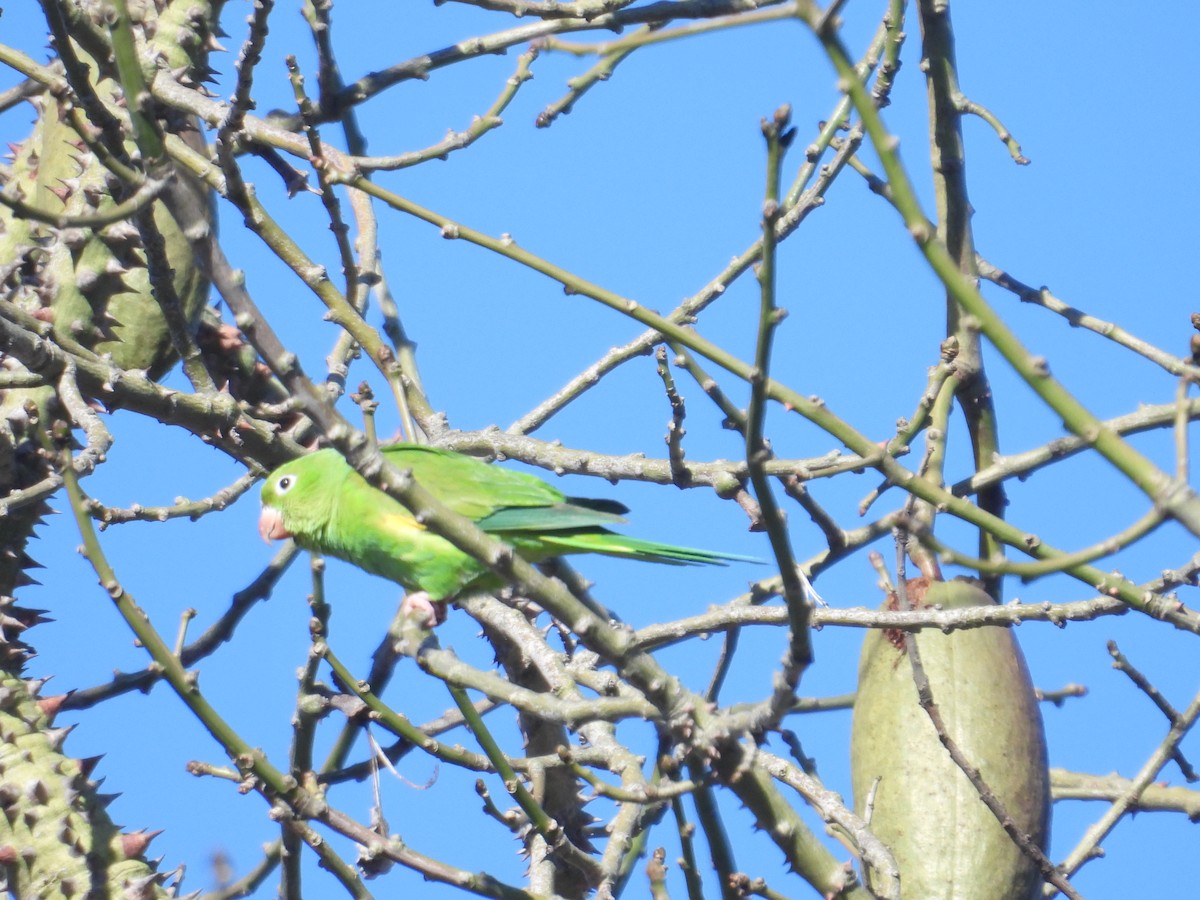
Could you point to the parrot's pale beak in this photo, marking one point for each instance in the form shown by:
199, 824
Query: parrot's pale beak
270, 525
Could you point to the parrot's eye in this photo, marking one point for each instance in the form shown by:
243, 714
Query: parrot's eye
285, 484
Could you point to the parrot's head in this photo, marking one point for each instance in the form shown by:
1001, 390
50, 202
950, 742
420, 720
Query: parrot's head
298, 496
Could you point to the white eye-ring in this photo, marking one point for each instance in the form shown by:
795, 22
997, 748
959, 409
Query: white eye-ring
285, 484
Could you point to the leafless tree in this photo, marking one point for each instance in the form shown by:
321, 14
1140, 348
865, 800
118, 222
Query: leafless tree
110, 256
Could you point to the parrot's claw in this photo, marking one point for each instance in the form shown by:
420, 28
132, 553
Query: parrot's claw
418, 606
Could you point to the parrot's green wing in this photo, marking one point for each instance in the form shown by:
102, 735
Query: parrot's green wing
467, 485
499, 499
574, 512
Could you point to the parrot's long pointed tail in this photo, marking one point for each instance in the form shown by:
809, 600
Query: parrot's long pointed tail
612, 544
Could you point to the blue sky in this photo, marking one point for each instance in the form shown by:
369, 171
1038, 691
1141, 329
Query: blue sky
648, 187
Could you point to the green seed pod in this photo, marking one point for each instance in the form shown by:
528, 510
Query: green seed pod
92, 284
947, 843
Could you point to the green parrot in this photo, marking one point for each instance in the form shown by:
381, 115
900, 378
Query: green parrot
329, 508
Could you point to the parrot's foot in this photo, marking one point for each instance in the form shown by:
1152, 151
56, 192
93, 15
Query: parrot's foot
418, 606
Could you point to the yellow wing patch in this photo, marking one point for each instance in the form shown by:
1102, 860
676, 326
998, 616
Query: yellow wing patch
399, 522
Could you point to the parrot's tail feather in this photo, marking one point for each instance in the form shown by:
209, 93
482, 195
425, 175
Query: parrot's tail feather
611, 544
